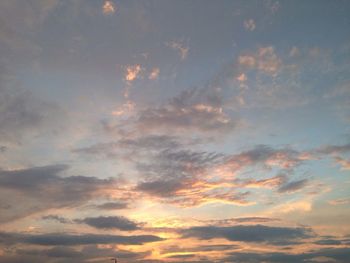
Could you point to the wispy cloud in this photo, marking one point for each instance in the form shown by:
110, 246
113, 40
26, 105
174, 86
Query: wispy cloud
180, 47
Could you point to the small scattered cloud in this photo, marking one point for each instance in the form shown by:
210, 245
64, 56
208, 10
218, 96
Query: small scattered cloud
294, 52
132, 72
124, 110
242, 77
265, 60
273, 6
154, 74
108, 8
249, 24
180, 47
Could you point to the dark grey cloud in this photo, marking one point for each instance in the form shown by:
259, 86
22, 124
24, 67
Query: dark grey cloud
112, 206
110, 222
68, 254
56, 218
62, 252
3, 149
161, 188
182, 256
203, 248
91, 251
249, 233
340, 255
39, 188
328, 242
239, 257
251, 219
62, 239
293, 186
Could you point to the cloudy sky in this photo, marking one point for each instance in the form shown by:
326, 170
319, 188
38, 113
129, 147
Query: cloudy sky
162, 131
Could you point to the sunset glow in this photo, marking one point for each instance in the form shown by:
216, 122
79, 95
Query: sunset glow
175, 131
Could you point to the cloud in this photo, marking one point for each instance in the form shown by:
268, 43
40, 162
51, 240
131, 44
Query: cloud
240, 220
126, 109
264, 60
249, 24
23, 115
272, 182
131, 146
39, 188
334, 149
345, 164
294, 206
161, 188
339, 255
172, 174
185, 178
284, 158
112, 206
340, 201
294, 52
196, 110
242, 77
293, 186
109, 222
57, 218
58, 239
108, 8
180, 47
202, 248
328, 242
251, 233
67, 254
132, 72
154, 74
180, 177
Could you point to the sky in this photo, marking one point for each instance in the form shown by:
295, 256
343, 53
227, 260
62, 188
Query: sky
156, 131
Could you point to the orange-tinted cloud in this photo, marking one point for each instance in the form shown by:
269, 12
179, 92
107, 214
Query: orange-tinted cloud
108, 8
